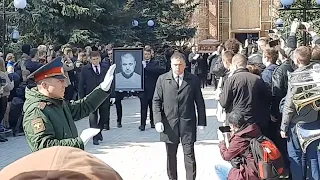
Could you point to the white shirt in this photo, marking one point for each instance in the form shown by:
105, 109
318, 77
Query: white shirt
175, 76
94, 68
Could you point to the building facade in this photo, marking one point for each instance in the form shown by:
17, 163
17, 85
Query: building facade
240, 19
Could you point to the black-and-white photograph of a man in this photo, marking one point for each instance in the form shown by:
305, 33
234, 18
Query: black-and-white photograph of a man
128, 74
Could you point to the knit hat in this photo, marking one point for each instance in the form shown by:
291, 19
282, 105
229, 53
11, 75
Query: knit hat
59, 162
26, 49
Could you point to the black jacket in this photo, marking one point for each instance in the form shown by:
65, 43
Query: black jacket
247, 93
151, 73
176, 108
279, 86
89, 80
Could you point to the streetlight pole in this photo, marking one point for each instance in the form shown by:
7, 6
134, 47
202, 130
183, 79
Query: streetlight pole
304, 18
4, 35
141, 27
18, 4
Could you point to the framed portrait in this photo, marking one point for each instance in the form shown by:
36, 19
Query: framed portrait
129, 71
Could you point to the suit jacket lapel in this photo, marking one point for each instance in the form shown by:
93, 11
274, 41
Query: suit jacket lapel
172, 81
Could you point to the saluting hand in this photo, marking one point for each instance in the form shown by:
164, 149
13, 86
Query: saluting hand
106, 84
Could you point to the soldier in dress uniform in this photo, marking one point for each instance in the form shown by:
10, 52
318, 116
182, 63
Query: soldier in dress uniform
49, 119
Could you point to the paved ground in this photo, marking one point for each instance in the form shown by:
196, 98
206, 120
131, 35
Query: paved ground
134, 154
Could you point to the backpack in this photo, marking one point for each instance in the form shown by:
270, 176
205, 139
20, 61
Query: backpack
2, 84
268, 160
217, 68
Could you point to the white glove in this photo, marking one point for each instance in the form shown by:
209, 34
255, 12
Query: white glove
112, 100
220, 136
294, 26
201, 127
88, 134
120, 91
106, 84
159, 127
144, 64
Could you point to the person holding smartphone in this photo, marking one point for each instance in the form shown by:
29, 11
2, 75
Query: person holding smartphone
240, 131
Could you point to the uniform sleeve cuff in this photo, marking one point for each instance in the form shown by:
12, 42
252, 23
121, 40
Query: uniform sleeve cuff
81, 144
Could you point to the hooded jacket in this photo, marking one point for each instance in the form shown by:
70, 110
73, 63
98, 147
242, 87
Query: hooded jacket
5, 85
238, 146
290, 114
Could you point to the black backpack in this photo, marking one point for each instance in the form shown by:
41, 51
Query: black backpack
217, 68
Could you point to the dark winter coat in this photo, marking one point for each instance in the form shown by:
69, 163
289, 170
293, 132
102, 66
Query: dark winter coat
247, 93
266, 74
175, 107
239, 144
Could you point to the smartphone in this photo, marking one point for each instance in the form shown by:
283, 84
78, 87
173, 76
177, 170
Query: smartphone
3, 81
274, 43
302, 27
225, 129
270, 31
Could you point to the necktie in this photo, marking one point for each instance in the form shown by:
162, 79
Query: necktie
178, 81
147, 62
97, 70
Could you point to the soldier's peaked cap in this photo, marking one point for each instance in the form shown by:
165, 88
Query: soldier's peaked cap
52, 69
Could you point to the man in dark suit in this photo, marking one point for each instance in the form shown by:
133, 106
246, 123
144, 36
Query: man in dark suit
175, 96
108, 61
152, 70
91, 76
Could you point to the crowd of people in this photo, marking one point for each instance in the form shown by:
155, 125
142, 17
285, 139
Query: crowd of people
258, 99
250, 79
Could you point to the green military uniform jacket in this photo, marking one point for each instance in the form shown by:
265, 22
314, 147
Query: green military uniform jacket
50, 122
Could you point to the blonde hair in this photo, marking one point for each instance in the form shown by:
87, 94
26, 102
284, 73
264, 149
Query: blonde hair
9, 56
2, 65
10, 69
42, 48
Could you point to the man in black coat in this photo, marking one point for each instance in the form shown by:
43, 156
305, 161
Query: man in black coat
246, 93
90, 77
152, 70
175, 96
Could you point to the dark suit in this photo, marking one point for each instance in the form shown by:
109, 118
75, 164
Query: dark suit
89, 79
151, 73
175, 107
118, 95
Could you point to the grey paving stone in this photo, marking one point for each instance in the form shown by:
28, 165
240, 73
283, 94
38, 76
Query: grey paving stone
134, 154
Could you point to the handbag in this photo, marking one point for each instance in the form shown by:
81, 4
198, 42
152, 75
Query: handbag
221, 113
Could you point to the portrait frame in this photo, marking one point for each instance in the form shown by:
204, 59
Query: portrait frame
135, 82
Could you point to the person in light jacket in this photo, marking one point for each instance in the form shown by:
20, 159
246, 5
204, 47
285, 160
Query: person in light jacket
5, 87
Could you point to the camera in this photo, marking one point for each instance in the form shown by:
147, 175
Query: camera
3, 82
271, 31
274, 43
302, 27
